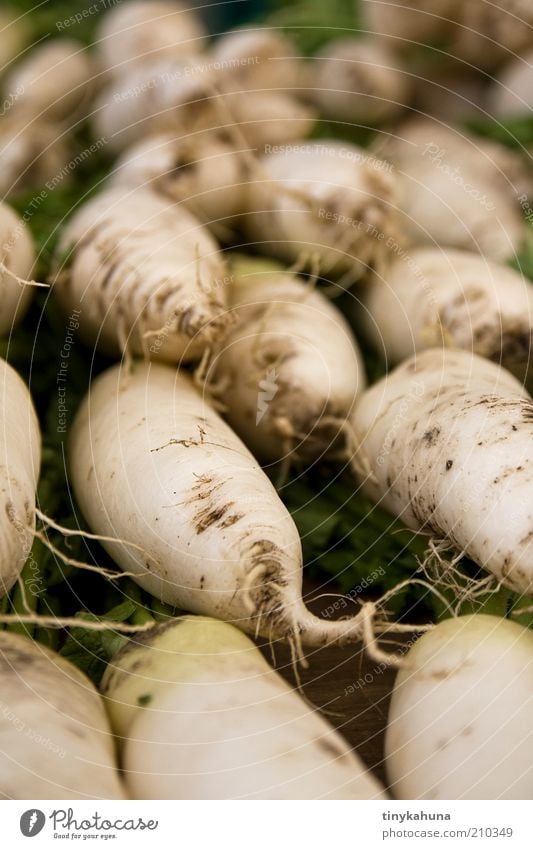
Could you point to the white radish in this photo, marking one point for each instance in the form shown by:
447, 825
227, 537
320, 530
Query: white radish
264, 118
479, 33
450, 94
52, 81
457, 191
258, 58
17, 256
32, 155
201, 715
329, 198
187, 97
358, 81
145, 275
138, 32
433, 297
55, 739
153, 464
489, 33
445, 445
406, 24
206, 174
20, 457
460, 722
511, 94
291, 370
158, 96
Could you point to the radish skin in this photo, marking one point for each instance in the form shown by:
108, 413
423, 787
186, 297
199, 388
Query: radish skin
479, 33
490, 33
266, 119
291, 369
163, 95
450, 94
358, 80
17, 256
258, 58
188, 97
55, 740
460, 723
456, 299
511, 94
445, 442
138, 32
457, 191
201, 715
54, 80
217, 539
140, 265
206, 174
329, 198
32, 153
20, 457
404, 24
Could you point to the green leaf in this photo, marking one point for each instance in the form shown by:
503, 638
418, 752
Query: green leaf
312, 23
91, 650
512, 132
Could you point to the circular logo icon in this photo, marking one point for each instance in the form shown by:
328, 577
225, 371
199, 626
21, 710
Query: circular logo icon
32, 822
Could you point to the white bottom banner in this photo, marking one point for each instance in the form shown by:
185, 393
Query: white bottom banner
264, 825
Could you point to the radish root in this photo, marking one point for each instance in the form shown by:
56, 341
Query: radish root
69, 532
74, 622
443, 573
21, 280
262, 599
79, 564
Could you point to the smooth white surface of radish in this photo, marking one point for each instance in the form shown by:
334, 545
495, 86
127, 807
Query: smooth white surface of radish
201, 715
20, 456
138, 32
457, 191
17, 255
206, 174
328, 198
53, 79
357, 79
152, 463
291, 370
458, 299
55, 739
461, 721
446, 445
139, 264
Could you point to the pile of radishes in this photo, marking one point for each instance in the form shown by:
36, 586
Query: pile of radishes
240, 267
